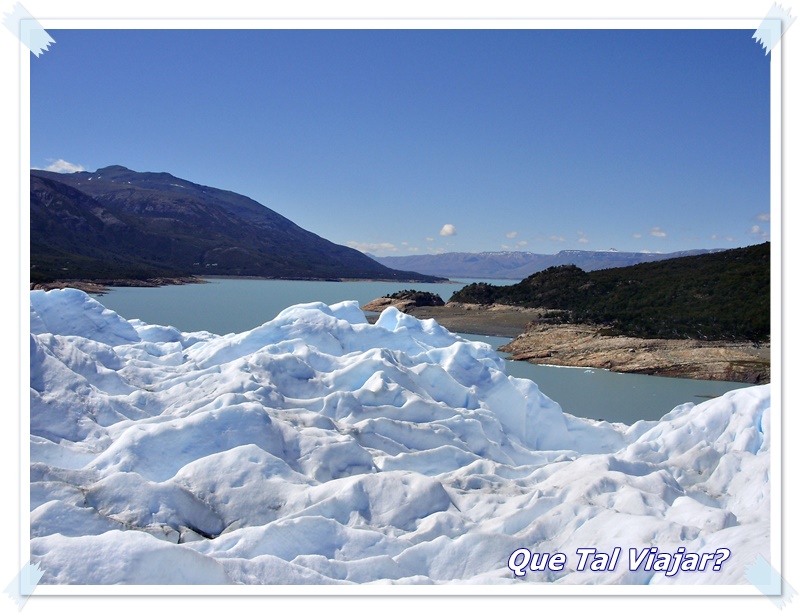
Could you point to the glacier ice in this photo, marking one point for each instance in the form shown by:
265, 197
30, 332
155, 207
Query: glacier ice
321, 449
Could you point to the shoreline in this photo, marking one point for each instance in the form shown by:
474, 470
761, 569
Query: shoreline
331, 279
585, 346
102, 286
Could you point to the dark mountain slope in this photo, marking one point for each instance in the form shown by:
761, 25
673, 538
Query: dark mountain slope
73, 236
116, 217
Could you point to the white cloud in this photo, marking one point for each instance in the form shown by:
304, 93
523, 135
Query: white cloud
758, 231
656, 231
373, 248
511, 235
62, 166
504, 246
762, 217
557, 238
448, 230
430, 239
408, 247
521, 243
638, 235
583, 240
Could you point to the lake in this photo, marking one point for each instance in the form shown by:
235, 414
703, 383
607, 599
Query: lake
234, 305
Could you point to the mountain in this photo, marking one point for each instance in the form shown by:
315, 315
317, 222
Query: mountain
519, 265
118, 223
719, 296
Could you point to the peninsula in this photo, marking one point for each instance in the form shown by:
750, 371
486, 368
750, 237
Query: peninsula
699, 317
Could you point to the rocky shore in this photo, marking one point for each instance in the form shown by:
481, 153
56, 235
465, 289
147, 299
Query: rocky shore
101, 286
591, 347
588, 346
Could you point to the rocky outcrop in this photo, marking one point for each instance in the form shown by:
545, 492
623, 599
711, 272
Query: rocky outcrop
379, 304
593, 347
405, 301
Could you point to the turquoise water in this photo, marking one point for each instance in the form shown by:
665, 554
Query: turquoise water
234, 305
614, 397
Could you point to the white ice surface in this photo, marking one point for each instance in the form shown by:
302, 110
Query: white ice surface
318, 448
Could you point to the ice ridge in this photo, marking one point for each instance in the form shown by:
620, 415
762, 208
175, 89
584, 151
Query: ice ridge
321, 449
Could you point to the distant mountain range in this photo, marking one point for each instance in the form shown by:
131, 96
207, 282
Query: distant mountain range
519, 265
116, 223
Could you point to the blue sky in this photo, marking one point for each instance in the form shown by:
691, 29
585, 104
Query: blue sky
419, 141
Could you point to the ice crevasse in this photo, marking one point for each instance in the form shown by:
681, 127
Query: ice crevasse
321, 449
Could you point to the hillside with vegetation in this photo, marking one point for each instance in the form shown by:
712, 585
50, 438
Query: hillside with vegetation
717, 296
117, 224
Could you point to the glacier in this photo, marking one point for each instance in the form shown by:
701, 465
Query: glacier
321, 449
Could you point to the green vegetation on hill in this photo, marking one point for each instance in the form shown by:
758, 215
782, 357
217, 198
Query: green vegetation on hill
718, 296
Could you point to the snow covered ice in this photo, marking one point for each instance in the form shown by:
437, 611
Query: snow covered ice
320, 449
